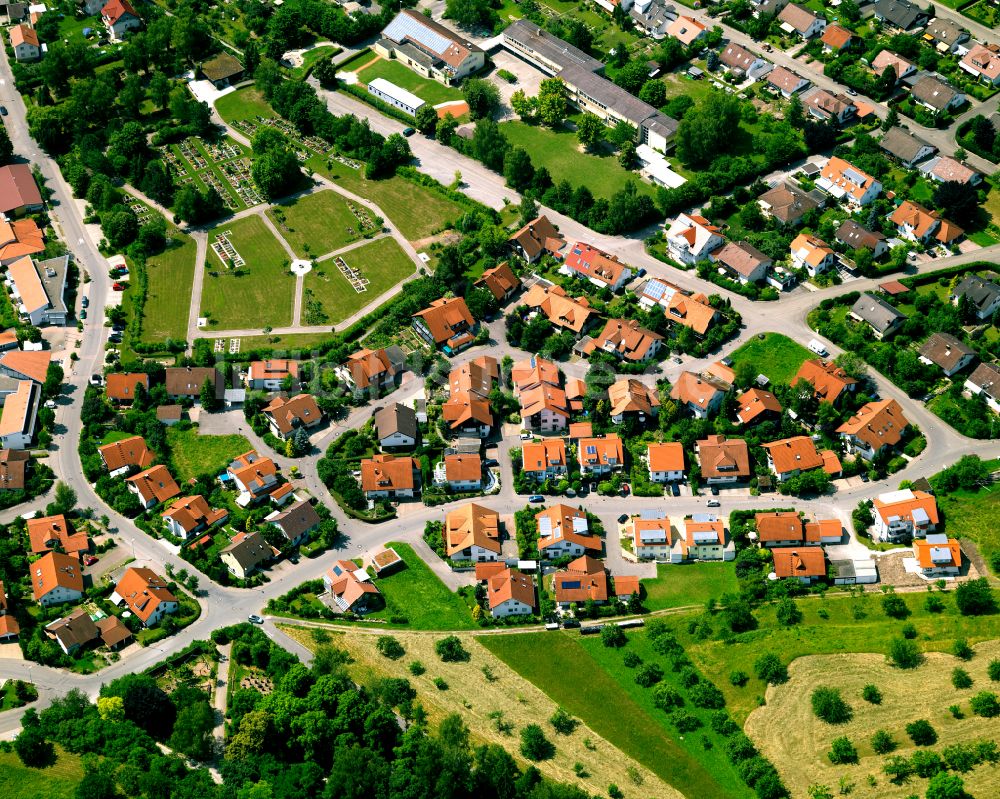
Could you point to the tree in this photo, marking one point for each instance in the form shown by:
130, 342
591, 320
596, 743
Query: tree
534, 745
524, 106
482, 97
6, 146
904, 654
891, 119
64, 499
471, 13
921, 733
985, 704
389, 647
209, 400
769, 668
894, 606
788, 613
590, 131
192, 733
426, 119
871, 693
829, 706
450, 650
883, 743
613, 636
962, 650
960, 679
518, 170
842, 751
975, 598
633, 76
33, 749
707, 130
654, 92
98, 782
553, 101
562, 722
956, 202
326, 73
946, 786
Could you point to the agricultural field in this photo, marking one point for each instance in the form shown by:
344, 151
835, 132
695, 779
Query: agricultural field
775, 355
797, 742
475, 695
256, 294
170, 276
193, 454
560, 153
318, 223
614, 706
430, 91
383, 263
58, 781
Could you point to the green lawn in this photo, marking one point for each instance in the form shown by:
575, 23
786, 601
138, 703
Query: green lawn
559, 152
318, 222
383, 262
168, 296
115, 435
418, 594
55, 782
775, 355
430, 91
357, 60
677, 585
313, 57
618, 709
974, 514
258, 294
193, 454
246, 103
294, 341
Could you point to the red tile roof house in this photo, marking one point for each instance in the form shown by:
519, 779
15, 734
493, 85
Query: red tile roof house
779, 529
120, 388
897, 515
472, 532
666, 461
270, 375
692, 238
460, 472
447, 324
500, 281
19, 193
25, 43
742, 261
629, 399
756, 405
187, 381
584, 579
599, 456
828, 380
285, 416
723, 460
875, 427
938, 556
192, 515
145, 594
805, 564
253, 476
791, 456
510, 593
390, 477
120, 457
539, 237
373, 369
544, 460
350, 587
564, 530
119, 18
51, 531
153, 486
56, 578
652, 537
704, 538
627, 340
601, 269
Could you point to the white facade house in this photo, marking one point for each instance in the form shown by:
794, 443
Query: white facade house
985, 382
396, 96
692, 238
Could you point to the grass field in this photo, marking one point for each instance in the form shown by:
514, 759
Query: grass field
474, 697
559, 152
258, 294
974, 514
318, 222
293, 341
195, 454
430, 91
115, 435
417, 593
56, 782
775, 355
168, 296
614, 706
383, 262
688, 584
797, 742
246, 103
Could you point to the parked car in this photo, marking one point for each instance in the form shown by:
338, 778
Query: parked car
3, 110
116, 286
526, 435
253, 618
567, 623
408, 131
715, 491
536, 498
96, 380
817, 346
675, 489
89, 560
50, 404
85, 302
623, 518
713, 503
83, 313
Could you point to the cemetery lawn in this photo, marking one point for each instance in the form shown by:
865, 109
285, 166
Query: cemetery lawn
170, 276
260, 293
382, 262
321, 221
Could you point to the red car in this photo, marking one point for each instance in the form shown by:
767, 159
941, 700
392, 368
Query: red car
89, 560
118, 287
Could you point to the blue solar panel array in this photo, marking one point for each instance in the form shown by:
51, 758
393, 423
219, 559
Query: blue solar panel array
405, 27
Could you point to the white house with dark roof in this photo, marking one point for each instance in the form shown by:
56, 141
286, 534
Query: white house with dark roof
985, 382
982, 294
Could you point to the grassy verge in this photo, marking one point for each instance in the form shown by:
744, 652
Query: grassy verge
168, 298
195, 454
58, 781
382, 262
258, 294
974, 514
777, 356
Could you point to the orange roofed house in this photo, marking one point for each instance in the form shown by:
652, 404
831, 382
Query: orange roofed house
805, 564
119, 18
460, 472
560, 309
153, 486
874, 427
788, 529
601, 269
539, 237
447, 324
757, 405
428, 48
285, 416
690, 238
564, 530
37, 287
544, 460
373, 369
666, 461
701, 394
13, 468
791, 456
599, 456
47, 533
26, 365
472, 532
500, 281
898, 515
20, 412
632, 399
24, 41
120, 388
350, 587
145, 594
510, 593
626, 339
916, 223
582, 580
253, 476
192, 515
828, 380
390, 477
679, 306
270, 375
723, 460
19, 193
938, 556
56, 578
130, 453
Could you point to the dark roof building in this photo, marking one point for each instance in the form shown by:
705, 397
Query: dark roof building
901, 14
905, 147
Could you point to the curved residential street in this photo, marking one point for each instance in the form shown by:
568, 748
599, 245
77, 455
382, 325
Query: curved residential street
222, 606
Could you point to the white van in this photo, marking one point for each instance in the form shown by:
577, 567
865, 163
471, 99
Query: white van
817, 347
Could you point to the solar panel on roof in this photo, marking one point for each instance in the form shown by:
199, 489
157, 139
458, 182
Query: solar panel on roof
940, 555
545, 525
403, 27
705, 537
579, 525
937, 538
652, 535
571, 584
651, 514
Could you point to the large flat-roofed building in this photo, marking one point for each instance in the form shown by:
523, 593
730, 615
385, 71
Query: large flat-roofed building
395, 96
587, 88
39, 288
428, 48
